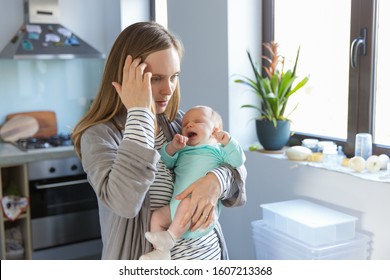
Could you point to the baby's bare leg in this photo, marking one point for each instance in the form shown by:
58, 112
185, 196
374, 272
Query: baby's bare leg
161, 219
164, 239
176, 228
161, 238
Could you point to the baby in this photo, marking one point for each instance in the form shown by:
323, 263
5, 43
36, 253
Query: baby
201, 147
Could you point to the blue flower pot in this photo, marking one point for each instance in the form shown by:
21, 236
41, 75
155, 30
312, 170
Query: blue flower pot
270, 137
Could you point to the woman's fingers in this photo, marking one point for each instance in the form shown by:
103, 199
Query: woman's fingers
117, 87
210, 219
205, 219
191, 208
139, 72
198, 205
194, 215
133, 69
135, 90
126, 68
147, 77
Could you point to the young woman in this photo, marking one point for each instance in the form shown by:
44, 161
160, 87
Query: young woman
134, 113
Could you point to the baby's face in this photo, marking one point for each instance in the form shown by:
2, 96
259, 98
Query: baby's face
198, 126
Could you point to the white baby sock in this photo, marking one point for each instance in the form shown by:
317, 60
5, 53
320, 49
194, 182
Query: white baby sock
163, 242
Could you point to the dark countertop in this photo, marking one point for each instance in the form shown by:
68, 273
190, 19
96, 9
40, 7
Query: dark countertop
11, 156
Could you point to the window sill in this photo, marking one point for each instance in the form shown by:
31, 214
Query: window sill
381, 176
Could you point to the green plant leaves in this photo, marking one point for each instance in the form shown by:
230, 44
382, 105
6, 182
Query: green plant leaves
273, 92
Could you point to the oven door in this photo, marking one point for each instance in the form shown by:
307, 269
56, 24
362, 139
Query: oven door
63, 211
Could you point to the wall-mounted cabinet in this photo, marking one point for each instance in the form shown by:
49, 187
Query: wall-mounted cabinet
15, 234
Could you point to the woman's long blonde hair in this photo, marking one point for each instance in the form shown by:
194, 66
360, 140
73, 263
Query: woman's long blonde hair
138, 40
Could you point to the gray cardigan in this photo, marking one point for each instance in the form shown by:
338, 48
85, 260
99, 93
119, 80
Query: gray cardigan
121, 173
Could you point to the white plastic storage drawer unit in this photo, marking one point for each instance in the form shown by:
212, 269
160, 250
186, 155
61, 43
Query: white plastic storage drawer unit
309, 222
271, 244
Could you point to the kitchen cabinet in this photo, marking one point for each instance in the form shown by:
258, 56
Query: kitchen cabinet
13, 168
19, 231
16, 167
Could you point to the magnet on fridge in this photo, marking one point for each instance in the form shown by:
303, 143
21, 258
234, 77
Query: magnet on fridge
26, 45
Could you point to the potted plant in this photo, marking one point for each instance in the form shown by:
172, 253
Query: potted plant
274, 91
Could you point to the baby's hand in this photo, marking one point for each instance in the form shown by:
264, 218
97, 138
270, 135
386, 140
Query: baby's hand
178, 142
222, 137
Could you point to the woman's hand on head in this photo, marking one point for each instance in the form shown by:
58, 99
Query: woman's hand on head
136, 89
203, 200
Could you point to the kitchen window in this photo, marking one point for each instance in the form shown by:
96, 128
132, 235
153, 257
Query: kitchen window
346, 93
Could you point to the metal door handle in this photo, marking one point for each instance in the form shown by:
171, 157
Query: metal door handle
61, 184
358, 47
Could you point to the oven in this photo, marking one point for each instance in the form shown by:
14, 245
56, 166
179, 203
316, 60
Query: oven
64, 210
63, 205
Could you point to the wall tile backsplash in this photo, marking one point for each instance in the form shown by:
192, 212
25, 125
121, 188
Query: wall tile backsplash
63, 86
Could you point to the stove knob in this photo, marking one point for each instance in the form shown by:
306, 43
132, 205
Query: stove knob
73, 167
52, 170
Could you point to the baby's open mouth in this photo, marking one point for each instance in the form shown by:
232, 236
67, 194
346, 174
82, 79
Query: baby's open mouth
191, 134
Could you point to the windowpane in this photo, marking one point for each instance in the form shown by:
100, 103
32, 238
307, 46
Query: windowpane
381, 119
322, 31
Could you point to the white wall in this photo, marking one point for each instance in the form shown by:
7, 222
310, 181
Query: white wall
11, 19
202, 26
215, 43
95, 21
133, 11
216, 35
243, 34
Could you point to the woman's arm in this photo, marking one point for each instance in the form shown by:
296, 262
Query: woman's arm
120, 170
233, 185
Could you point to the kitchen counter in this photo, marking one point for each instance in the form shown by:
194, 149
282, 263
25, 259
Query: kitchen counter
10, 155
13, 168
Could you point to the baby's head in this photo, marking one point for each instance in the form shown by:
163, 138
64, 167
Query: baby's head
199, 125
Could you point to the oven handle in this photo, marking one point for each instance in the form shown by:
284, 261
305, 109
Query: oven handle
61, 184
